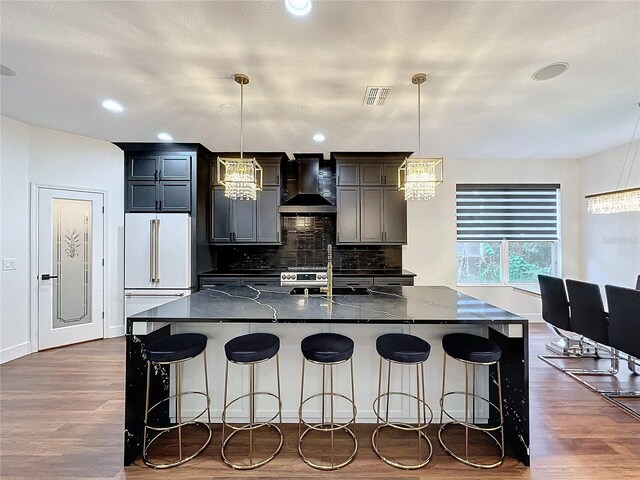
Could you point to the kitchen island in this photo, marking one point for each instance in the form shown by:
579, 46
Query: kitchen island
429, 312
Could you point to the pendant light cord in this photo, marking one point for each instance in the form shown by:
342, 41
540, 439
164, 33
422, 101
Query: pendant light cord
241, 115
419, 145
633, 161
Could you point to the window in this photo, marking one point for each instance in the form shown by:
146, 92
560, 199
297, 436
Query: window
506, 233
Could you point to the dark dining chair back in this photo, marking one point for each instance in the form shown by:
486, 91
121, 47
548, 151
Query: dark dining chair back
555, 306
624, 319
638, 283
588, 316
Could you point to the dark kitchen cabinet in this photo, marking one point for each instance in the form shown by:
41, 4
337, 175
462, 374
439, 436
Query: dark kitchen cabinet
270, 173
371, 214
347, 174
394, 216
219, 281
268, 218
371, 174
158, 183
348, 214
233, 220
159, 167
370, 209
245, 221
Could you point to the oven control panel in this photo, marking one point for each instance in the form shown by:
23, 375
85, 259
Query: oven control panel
303, 279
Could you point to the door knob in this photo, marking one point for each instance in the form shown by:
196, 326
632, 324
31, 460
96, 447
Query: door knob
46, 276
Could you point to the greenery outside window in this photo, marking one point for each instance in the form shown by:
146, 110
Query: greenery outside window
507, 234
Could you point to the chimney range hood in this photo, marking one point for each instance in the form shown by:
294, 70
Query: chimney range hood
307, 199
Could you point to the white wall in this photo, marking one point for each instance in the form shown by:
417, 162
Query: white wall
610, 250
42, 156
14, 238
431, 247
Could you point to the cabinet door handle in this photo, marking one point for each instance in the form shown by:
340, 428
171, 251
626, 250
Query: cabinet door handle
278, 179
155, 174
46, 276
160, 208
229, 236
156, 205
152, 247
384, 179
157, 269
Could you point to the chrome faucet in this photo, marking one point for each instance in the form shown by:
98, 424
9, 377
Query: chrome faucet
329, 288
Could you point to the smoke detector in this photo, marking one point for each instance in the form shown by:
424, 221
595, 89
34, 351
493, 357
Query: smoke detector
376, 96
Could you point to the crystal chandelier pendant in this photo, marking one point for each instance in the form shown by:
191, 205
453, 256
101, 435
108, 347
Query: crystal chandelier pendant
241, 177
418, 177
619, 201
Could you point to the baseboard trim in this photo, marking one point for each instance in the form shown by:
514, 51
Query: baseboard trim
115, 331
14, 352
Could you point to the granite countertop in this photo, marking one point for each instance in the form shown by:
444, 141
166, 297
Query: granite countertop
387, 305
396, 272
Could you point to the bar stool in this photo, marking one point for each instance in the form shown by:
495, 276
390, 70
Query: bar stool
175, 350
251, 350
406, 350
327, 350
472, 350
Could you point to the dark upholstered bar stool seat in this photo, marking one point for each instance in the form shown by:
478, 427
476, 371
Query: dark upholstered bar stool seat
472, 350
254, 347
404, 350
327, 348
175, 350
250, 350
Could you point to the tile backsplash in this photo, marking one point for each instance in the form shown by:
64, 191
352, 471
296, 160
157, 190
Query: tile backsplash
305, 240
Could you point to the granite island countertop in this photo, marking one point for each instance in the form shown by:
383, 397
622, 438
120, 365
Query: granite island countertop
382, 305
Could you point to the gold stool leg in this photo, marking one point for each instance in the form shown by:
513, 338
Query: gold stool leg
180, 422
327, 427
421, 424
146, 412
472, 425
252, 423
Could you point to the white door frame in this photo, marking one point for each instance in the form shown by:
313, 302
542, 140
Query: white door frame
33, 254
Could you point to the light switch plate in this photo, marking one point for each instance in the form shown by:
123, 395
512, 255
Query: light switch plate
9, 264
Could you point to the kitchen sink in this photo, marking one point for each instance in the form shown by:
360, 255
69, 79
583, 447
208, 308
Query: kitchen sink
336, 291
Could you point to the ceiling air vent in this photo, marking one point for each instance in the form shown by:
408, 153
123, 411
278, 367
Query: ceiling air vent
376, 96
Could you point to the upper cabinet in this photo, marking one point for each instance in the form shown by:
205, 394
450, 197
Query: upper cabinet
159, 181
370, 208
248, 221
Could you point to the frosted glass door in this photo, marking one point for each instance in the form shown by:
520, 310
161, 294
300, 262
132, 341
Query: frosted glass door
70, 280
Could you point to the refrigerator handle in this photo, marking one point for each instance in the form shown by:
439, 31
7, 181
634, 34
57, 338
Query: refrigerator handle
157, 259
152, 249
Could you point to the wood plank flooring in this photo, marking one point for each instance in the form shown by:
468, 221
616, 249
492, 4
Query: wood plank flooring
62, 418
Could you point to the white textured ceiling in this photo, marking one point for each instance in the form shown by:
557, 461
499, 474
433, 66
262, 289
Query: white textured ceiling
171, 63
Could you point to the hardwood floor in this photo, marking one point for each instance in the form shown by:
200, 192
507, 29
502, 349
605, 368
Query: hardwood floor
62, 418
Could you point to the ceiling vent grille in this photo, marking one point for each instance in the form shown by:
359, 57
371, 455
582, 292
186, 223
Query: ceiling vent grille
376, 96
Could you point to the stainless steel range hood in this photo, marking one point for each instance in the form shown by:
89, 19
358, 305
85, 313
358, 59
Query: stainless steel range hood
308, 198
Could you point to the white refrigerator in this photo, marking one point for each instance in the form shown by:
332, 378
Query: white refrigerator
157, 259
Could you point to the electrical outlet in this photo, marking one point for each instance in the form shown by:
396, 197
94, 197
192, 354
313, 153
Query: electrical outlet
9, 264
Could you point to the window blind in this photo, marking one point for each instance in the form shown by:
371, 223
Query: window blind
512, 212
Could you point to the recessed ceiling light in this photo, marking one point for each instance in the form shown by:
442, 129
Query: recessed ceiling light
165, 137
307, 107
298, 7
7, 71
318, 137
112, 106
550, 71
227, 106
